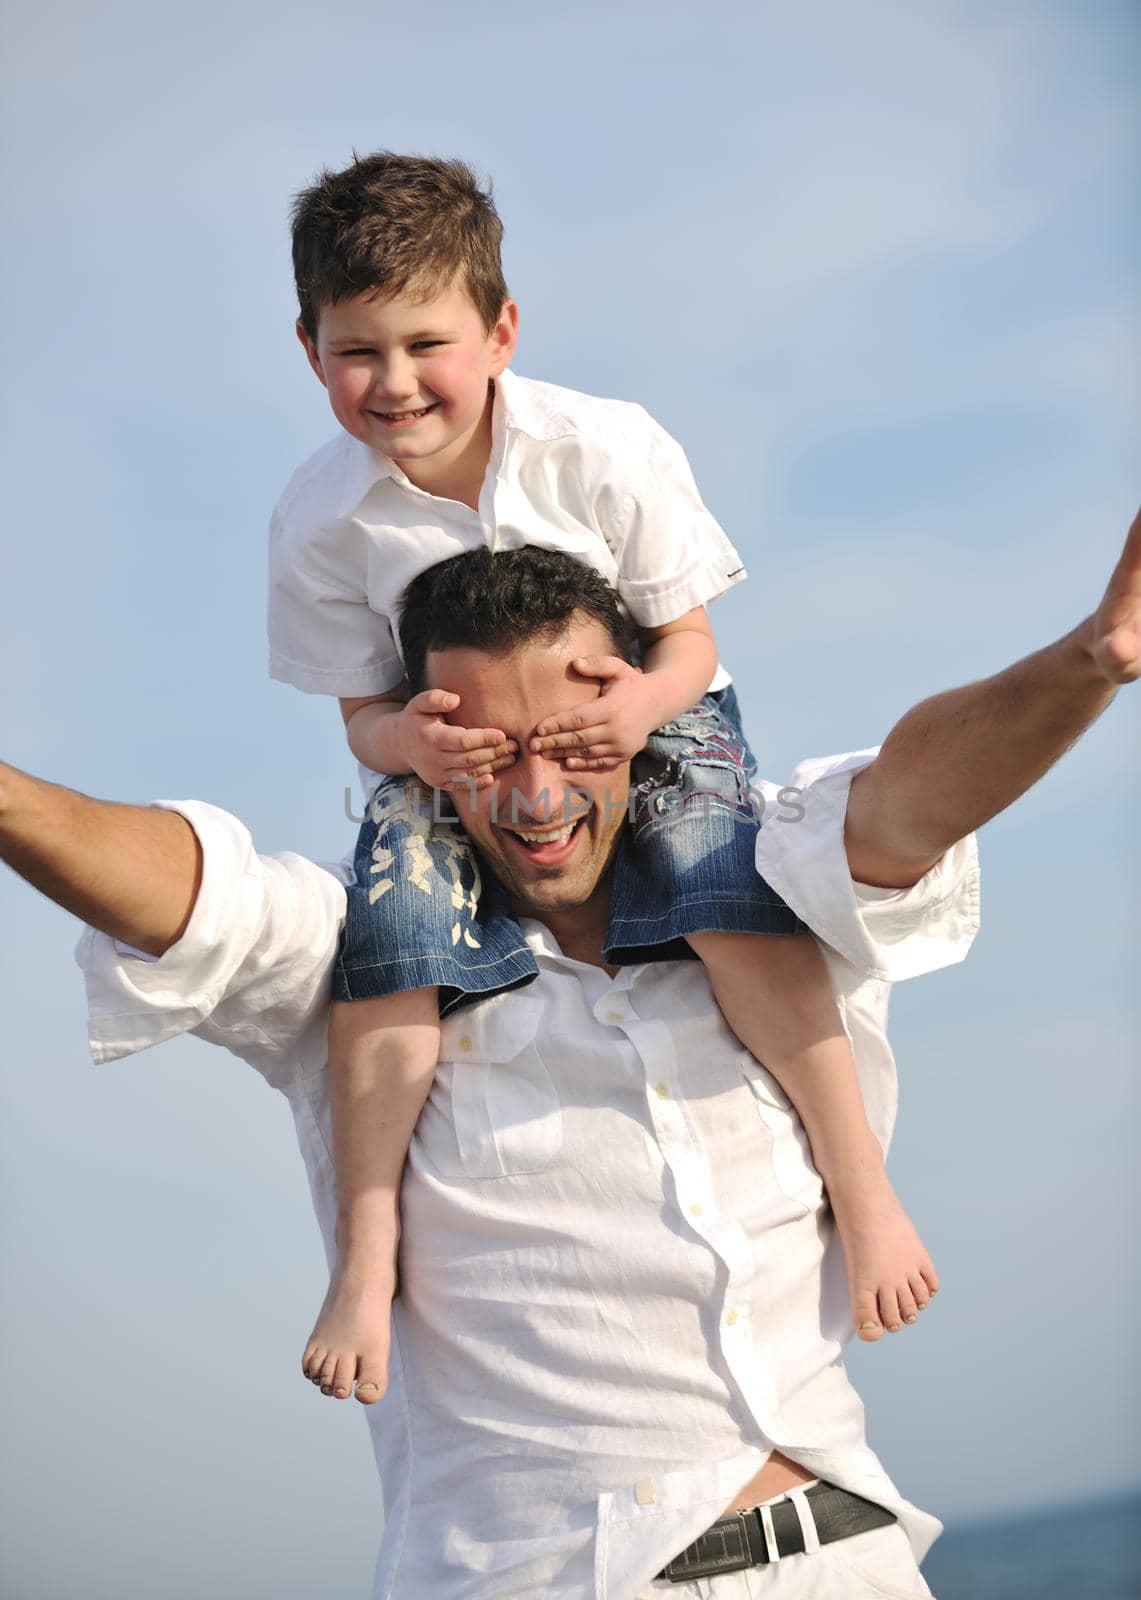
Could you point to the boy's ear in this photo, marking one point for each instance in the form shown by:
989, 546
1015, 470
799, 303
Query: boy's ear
504, 337
310, 350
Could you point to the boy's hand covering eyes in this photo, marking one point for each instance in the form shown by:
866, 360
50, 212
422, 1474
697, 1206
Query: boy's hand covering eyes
601, 733
441, 754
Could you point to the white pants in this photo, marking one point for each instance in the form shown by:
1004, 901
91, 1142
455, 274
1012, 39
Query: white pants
869, 1566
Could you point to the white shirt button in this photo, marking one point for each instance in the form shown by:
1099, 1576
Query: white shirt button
731, 1316
465, 1042
615, 1016
662, 1091
695, 1210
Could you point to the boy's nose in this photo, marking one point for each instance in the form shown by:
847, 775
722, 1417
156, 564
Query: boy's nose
397, 380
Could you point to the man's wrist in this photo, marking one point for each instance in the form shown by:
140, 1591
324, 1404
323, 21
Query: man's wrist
1077, 650
1099, 657
9, 778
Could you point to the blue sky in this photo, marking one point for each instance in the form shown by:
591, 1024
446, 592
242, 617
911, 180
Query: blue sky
874, 267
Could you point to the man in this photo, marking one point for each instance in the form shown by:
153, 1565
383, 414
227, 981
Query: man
621, 1305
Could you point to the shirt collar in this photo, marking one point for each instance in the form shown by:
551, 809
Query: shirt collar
364, 467
520, 407
531, 408
547, 950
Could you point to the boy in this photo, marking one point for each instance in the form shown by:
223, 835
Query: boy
406, 320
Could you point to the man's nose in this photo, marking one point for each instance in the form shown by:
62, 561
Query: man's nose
539, 787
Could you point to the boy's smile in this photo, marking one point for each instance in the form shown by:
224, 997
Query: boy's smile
410, 377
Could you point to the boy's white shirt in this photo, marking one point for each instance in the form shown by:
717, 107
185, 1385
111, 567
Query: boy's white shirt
598, 479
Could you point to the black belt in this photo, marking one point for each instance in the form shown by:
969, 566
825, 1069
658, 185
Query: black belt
737, 1541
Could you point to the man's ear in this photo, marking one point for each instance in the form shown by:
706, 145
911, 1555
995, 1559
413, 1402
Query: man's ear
503, 337
310, 350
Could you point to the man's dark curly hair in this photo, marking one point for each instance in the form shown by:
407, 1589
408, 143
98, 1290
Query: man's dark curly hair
493, 602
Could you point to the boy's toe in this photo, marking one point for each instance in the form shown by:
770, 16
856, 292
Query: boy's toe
908, 1309
343, 1377
919, 1291
372, 1380
866, 1316
889, 1310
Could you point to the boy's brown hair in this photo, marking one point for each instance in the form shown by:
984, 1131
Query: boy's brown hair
396, 224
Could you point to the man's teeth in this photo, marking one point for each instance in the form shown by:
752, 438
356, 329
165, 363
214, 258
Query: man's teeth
547, 838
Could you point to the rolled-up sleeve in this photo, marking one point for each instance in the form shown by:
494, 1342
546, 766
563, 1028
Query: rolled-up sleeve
250, 972
889, 934
673, 554
323, 636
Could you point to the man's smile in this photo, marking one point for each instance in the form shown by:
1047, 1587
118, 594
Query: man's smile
544, 847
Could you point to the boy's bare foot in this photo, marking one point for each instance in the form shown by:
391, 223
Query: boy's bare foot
890, 1275
349, 1343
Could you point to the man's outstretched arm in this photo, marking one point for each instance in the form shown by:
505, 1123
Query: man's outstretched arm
960, 758
131, 871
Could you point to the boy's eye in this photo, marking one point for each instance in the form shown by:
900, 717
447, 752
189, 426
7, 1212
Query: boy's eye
362, 351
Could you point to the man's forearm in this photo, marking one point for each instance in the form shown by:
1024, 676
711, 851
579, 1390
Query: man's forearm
131, 871
958, 759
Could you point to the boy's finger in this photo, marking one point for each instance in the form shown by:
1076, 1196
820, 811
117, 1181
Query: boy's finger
433, 702
465, 782
474, 760
601, 666
569, 739
465, 740
477, 738
580, 716
591, 763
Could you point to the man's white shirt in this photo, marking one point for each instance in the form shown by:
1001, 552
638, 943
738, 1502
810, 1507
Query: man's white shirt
620, 1282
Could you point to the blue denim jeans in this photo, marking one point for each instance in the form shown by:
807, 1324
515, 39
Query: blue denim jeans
420, 913
688, 862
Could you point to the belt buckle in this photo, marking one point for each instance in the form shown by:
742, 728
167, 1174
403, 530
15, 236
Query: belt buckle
729, 1533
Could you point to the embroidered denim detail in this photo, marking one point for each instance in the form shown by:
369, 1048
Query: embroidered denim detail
418, 913
426, 847
698, 763
687, 864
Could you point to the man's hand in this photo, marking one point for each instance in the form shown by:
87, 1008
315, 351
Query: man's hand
442, 754
1115, 627
601, 733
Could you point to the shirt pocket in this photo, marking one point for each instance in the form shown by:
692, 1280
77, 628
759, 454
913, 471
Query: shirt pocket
505, 1110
